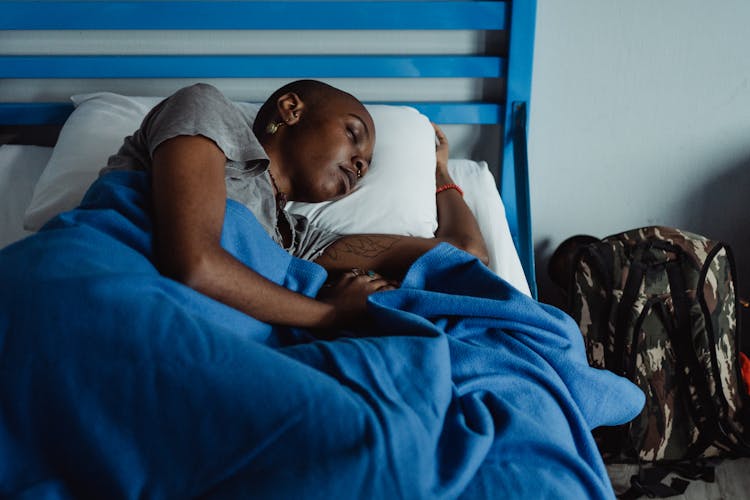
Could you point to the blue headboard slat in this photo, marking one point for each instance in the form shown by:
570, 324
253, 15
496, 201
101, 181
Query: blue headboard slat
44, 15
252, 66
457, 113
460, 113
35, 113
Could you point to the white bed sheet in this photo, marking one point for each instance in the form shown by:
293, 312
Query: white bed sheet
21, 166
482, 197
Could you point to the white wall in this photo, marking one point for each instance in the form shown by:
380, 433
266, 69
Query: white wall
640, 116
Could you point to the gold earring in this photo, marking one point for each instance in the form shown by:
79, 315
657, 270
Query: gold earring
272, 127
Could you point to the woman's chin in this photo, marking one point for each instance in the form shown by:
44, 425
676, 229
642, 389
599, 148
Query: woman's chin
344, 195
323, 197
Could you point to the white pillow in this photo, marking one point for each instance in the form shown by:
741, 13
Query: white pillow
94, 131
396, 196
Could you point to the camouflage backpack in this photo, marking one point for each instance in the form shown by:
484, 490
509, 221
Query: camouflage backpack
658, 306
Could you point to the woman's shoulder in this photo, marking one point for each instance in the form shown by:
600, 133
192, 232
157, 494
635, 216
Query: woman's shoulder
201, 93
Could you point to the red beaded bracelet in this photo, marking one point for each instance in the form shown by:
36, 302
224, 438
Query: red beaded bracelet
446, 187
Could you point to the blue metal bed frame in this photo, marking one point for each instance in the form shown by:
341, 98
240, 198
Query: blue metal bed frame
517, 17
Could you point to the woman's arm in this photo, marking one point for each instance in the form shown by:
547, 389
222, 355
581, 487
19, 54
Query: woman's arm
392, 255
189, 195
456, 222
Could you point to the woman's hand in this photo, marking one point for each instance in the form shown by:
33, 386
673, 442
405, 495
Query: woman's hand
348, 295
441, 150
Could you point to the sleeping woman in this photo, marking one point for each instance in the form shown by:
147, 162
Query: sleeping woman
117, 382
309, 142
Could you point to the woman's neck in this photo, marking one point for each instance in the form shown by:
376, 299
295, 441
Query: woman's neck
280, 185
280, 179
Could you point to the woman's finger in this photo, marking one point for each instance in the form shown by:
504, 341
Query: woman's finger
368, 279
442, 139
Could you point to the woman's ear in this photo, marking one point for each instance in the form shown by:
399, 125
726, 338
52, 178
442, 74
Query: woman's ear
290, 108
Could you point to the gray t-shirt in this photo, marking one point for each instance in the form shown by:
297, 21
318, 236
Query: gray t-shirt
202, 110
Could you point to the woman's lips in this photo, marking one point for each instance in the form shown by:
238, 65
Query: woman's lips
350, 178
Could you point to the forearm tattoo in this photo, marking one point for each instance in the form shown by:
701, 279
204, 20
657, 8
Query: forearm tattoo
369, 247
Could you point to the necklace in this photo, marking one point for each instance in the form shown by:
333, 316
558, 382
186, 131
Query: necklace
280, 195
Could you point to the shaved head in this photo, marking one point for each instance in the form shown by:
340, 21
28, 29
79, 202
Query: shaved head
319, 140
311, 92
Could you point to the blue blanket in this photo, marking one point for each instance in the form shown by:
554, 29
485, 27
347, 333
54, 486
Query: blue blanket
116, 382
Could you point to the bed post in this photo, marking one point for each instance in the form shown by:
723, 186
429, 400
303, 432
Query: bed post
514, 179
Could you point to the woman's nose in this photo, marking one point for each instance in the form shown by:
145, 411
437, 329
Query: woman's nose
361, 165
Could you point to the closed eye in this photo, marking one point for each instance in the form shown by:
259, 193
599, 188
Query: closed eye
352, 134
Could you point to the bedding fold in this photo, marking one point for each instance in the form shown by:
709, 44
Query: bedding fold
116, 382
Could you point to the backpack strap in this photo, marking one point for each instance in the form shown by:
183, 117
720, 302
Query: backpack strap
599, 257
624, 309
648, 481
619, 439
705, 415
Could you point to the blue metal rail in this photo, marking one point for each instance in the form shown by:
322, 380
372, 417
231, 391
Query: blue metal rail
514, 179
458, 113
242, 66
51, 15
